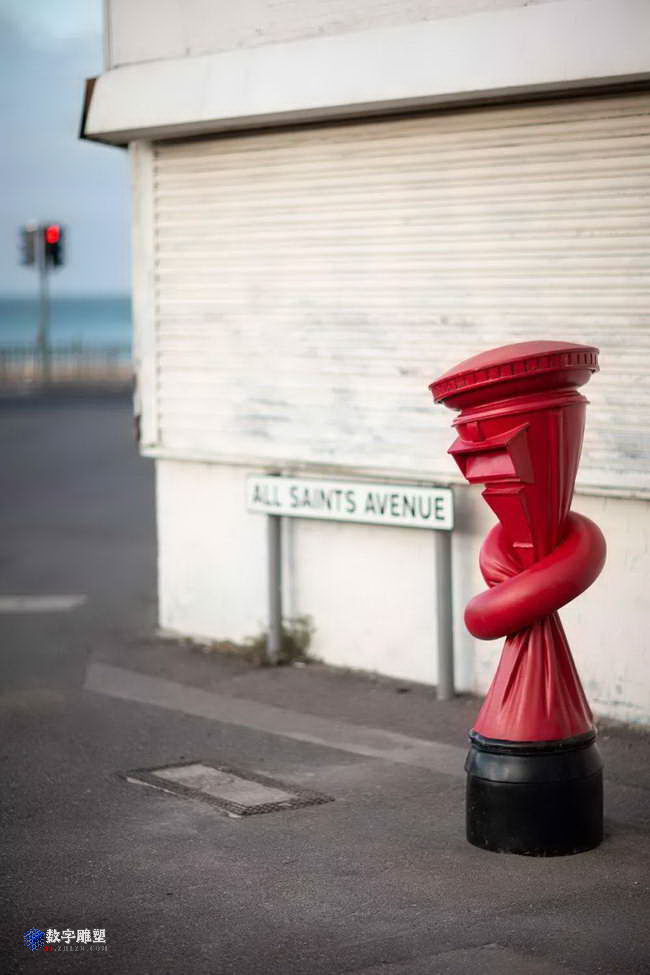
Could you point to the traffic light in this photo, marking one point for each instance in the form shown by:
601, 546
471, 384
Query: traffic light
41, 245
28, 245
53, 244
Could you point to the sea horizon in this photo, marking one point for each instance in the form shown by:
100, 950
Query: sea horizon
91, 321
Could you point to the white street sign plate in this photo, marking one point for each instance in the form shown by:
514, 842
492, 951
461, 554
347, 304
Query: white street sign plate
370, 503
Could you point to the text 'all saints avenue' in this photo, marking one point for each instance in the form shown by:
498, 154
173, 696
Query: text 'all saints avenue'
391, 504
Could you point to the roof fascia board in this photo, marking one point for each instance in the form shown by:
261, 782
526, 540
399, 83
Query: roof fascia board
553, 46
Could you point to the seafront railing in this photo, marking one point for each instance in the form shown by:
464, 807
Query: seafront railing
23, 366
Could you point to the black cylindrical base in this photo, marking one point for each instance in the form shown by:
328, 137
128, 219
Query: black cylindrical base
534, 798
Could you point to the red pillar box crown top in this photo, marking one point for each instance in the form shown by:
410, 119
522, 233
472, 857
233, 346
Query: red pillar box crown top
520, 432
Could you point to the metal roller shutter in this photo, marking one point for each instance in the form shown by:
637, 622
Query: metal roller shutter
310, 283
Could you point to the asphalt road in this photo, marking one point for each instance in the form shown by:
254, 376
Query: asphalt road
378, 881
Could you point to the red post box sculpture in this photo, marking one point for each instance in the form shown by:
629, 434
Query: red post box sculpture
534, 772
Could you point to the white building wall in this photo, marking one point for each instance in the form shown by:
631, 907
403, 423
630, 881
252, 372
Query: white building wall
371, 593
240, 352
211, 553
199, 66
371, 590
608, 625
148, 30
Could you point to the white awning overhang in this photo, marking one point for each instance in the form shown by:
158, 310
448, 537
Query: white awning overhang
548, 47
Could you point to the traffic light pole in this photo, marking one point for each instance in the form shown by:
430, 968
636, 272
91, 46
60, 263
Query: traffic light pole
43, 334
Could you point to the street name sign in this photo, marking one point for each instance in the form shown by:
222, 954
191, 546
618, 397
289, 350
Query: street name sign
402, 505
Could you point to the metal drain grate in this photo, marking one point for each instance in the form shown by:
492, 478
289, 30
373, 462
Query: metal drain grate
236, 792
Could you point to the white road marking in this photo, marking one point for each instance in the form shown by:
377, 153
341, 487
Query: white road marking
40, 604
358, 739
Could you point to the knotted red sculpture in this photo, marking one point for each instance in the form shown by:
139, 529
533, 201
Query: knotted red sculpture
520, 430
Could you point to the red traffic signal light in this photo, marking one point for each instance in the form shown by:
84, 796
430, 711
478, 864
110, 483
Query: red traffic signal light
53, 244
52, 234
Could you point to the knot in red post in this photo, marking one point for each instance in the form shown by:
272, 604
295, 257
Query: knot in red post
520, 433
518, 597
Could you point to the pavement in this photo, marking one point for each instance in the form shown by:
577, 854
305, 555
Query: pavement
378, 880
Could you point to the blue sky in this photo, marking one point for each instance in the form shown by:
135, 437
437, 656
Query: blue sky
47, 49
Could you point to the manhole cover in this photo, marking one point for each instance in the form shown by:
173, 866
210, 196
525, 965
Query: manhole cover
235, 791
